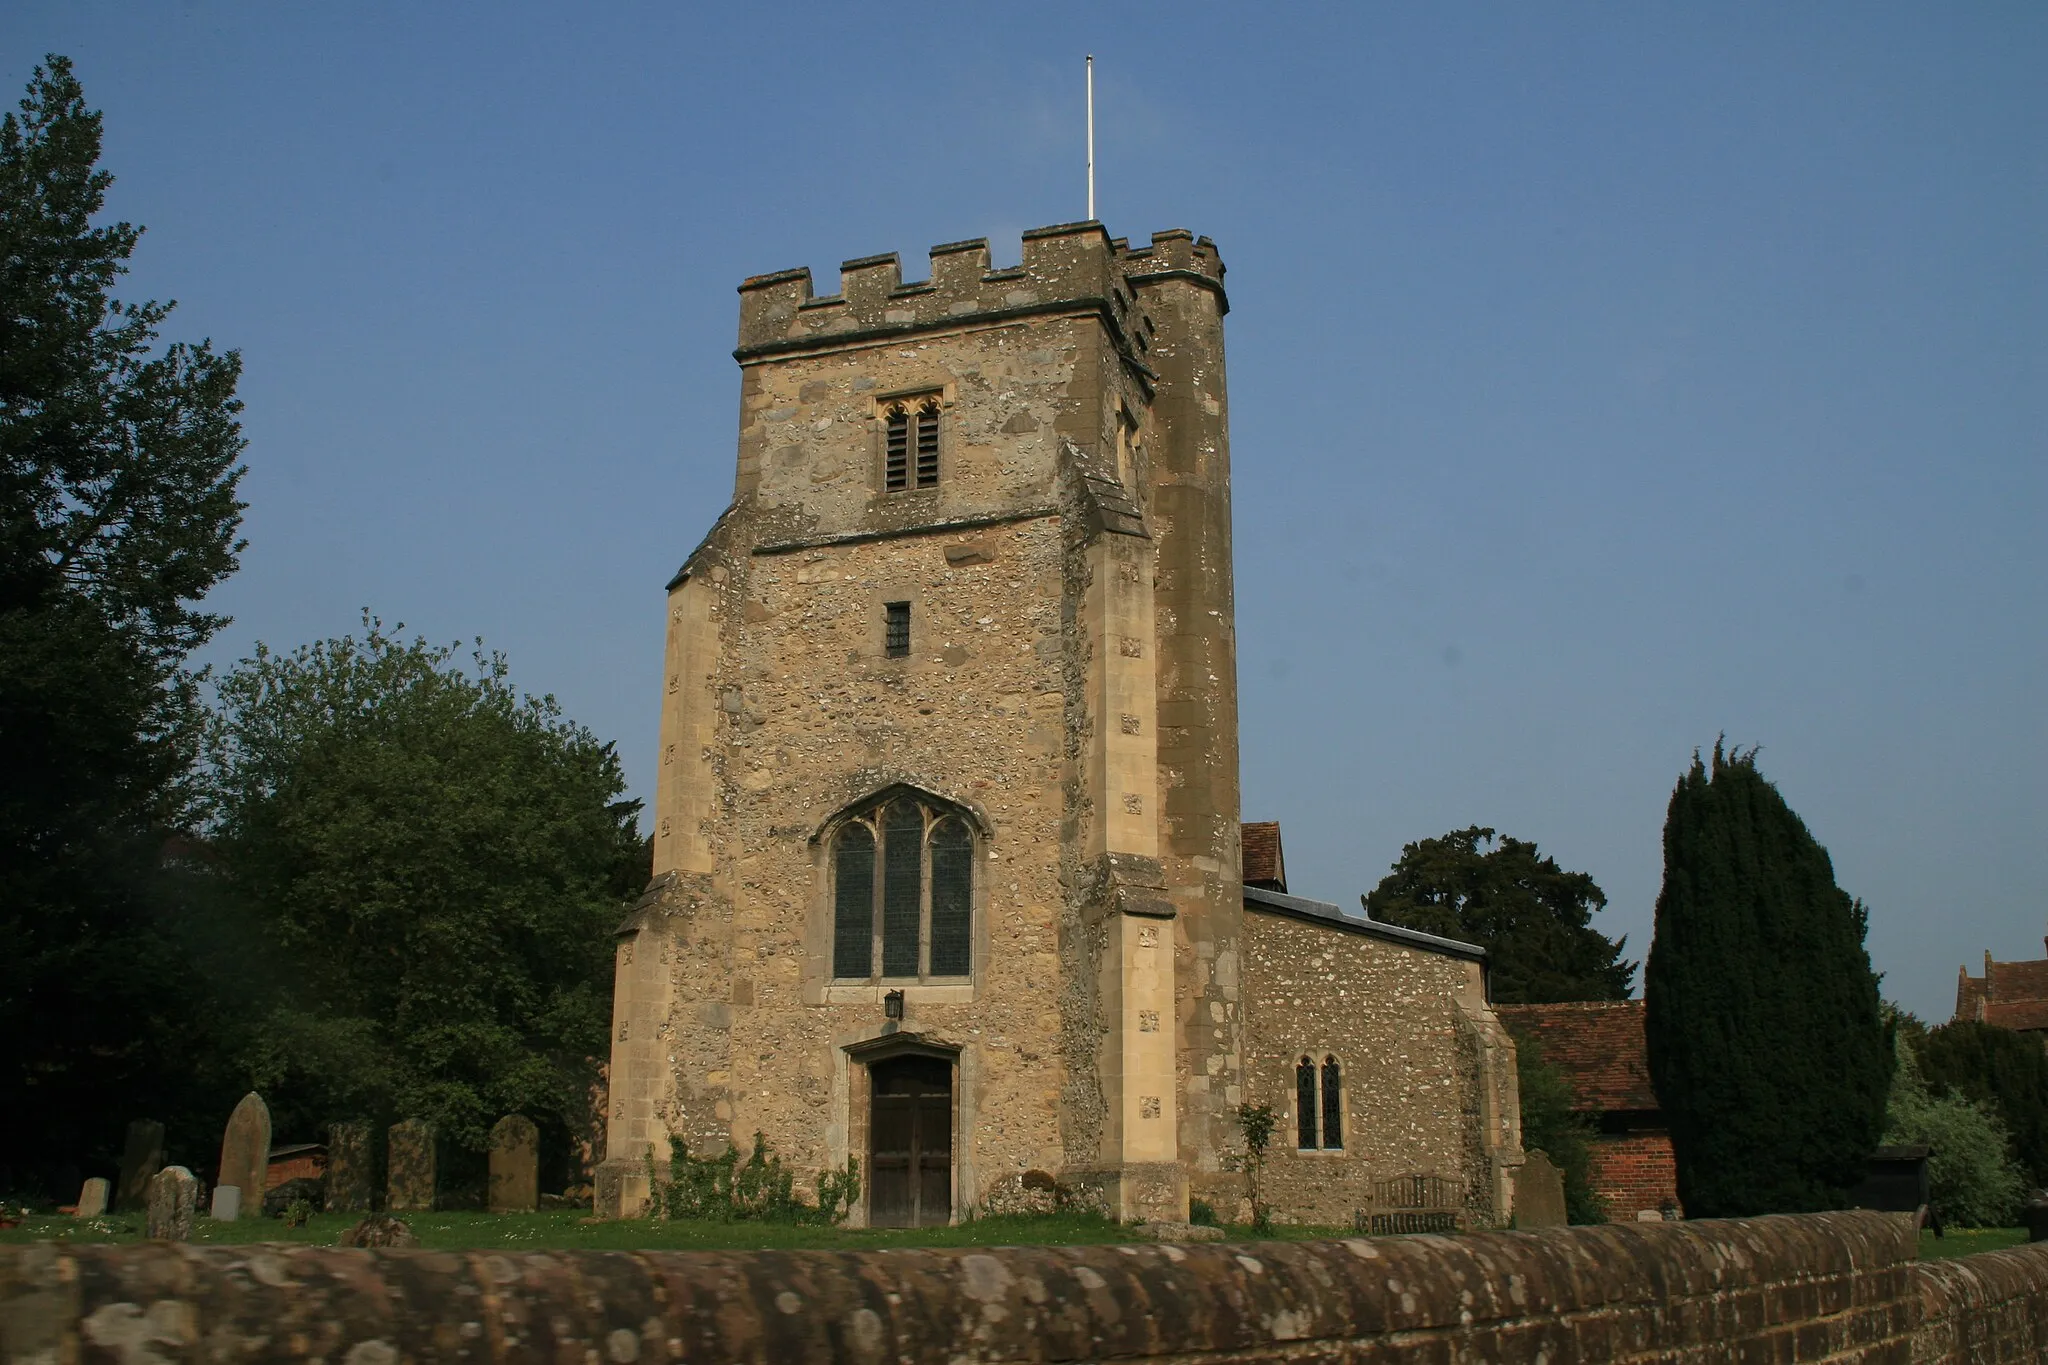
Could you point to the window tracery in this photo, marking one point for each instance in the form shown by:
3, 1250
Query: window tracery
903, 893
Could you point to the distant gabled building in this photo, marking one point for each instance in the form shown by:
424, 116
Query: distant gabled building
2011, 995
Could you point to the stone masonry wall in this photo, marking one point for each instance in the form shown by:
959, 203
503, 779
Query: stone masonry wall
1387, 1012
1818, 1288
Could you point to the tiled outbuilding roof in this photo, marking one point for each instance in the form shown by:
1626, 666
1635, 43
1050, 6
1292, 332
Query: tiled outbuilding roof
1263, 865
2010, 995
1598, 1044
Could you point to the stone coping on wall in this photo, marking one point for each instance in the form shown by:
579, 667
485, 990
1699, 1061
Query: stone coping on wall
1817, 1287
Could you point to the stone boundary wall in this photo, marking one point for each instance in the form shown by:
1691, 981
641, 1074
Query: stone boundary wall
1989, 1307
1828, 1287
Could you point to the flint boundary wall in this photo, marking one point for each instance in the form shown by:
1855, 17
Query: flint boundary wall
1829, 1287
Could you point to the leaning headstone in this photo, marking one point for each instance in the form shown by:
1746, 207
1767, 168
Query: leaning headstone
173, 1203
1539, 1193
245, 1155
227, 1203
515, 1165
409, 1157
92, 1200
141, 1158
351, 1177
379, 1230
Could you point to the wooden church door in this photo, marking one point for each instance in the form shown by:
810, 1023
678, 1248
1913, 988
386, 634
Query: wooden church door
910, 1149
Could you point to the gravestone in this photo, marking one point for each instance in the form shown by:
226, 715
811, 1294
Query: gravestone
227, 1203
173, 1203
515, 1165
141, 1158
409, 1162
92, 1200
351, 1172
1539, 1193
245, 1155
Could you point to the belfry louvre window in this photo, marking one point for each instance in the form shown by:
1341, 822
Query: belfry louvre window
903, 894
910, 445
1311, 1097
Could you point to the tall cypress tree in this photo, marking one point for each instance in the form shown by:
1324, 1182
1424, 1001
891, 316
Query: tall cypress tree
1766, 1045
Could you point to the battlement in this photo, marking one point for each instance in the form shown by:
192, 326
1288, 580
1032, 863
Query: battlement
1065, 267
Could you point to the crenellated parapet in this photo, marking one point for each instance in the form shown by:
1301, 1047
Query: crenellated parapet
1068, 267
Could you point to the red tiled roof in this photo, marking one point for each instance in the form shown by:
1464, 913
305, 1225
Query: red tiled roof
1263, 865
2022, 1015
2010, 995
1598, 1044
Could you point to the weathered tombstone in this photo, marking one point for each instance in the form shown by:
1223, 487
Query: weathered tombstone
379, 1230
227, 1203
409, 1159
92, 1199
245, 1155
173, 1203
351, 1177
141, 1158
515, 1165
1539, 1193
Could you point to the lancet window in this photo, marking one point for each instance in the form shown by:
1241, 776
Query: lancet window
1318, 1105
910, 445
903, 893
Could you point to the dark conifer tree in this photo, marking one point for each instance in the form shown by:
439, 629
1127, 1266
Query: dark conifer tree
1766, 1043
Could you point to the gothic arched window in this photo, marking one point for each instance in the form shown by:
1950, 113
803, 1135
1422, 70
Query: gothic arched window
1333, 1104
902, 893
910, 445
1305, 1104
1318, 1091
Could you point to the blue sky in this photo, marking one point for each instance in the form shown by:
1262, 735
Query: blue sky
1603, 377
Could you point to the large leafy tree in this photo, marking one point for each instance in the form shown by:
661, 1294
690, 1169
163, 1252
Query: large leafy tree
119, 462
1767, 1047
1533, 918
437, 864
1994, 1067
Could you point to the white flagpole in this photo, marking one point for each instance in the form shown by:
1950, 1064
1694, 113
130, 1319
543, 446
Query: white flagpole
1091, 138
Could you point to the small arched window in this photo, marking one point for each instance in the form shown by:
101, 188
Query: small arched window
903, 893
1305, 1104
1318, 1095
910, 445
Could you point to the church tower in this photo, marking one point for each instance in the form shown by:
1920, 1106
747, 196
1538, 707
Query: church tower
946, 822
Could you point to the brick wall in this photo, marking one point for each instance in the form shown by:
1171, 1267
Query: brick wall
1633, 1172
1827, 1287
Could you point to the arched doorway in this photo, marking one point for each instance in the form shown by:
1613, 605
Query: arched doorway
910, 1142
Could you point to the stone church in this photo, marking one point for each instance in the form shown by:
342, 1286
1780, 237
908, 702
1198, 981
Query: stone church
950, 878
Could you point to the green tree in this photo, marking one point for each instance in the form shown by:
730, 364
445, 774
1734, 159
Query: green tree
1972, 1176
1996, 1067
1766, 1044
118, 513
1552, 1124
437, 864
1533, 918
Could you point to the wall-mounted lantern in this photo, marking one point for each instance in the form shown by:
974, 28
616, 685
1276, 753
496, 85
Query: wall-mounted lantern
892, 1005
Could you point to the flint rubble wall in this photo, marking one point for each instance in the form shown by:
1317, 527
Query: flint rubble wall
1826, 1287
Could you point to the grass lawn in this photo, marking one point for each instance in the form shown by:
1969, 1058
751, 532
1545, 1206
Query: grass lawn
566, 1228
1964, 1241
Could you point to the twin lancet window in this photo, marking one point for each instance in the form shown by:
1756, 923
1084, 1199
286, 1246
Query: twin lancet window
1331, 1134
910, 446
902, 894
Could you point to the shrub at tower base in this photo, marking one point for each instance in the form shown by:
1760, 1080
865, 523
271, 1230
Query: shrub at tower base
1767, 1048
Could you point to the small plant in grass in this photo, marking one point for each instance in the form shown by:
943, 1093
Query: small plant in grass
1202, 1214
298, 1213
1255, 1122
725, 1189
